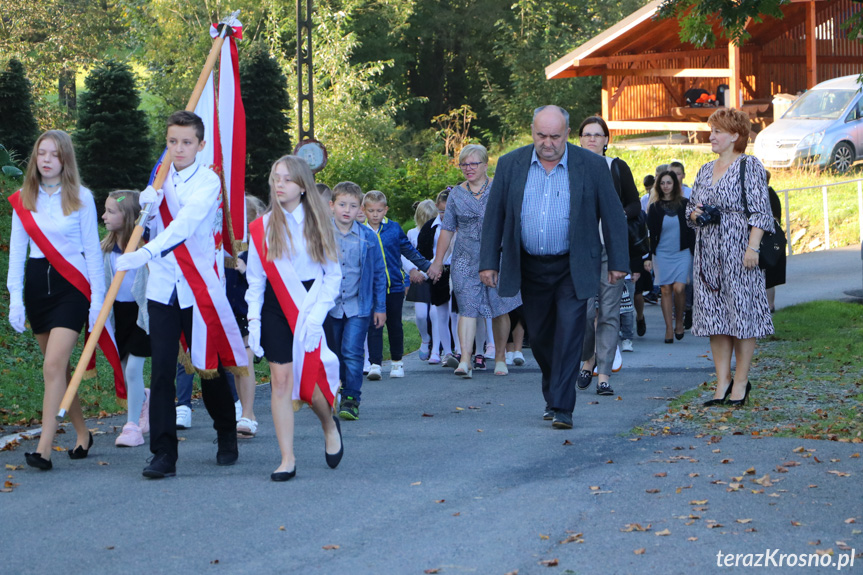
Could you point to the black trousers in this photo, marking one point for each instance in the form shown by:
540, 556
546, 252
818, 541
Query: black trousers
167, 322
555, 319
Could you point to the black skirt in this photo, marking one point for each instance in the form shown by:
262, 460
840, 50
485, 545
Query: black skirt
131, 339
277, 338
440, 290
419, 293
50, 300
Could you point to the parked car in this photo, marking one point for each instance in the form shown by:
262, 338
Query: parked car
822, 128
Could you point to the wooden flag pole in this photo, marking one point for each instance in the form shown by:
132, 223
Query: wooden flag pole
132, 245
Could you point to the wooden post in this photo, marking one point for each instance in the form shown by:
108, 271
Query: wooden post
811, 47
606, 99
733, 96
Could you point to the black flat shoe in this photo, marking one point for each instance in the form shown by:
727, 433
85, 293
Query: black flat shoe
715, 402
283, 475
641, 327
741, 402
669, 340
679, 336
36, 460
79, 452
334, 459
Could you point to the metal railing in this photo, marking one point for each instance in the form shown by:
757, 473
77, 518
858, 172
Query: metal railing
823, 187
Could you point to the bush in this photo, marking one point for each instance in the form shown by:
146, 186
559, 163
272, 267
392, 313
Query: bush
113, 147
18, 128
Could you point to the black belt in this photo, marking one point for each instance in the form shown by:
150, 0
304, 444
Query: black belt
545, 259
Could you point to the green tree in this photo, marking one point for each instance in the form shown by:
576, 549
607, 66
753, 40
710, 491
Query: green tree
18, 128
697, 18
266, 100
113, 146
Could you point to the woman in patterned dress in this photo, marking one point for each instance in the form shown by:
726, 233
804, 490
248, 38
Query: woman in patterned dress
464, 213
730, 297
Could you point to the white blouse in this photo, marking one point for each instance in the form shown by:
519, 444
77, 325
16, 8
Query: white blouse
80, 229
303, 264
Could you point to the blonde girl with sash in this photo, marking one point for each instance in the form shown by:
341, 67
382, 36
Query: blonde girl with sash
129, 315
62, 287
294, 278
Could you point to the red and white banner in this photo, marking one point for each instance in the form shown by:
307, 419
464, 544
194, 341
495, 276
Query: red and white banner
225, 132
215, 334
70, 263
319, 368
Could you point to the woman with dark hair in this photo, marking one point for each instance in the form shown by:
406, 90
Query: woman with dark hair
730, 298
671, 245
600, 342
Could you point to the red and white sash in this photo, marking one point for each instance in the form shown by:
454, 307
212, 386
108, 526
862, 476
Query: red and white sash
73, 267
215, 334
317, 368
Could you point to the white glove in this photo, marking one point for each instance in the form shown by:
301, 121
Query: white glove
95, 308
255, 337
134, 260
17, 316
314, 333
150, 195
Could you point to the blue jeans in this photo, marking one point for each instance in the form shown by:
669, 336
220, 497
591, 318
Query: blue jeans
346, 336
627, 320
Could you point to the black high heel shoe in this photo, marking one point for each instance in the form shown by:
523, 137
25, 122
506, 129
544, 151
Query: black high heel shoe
79, 452
679, 336
334, 459
715, 402
741, 402
36, 460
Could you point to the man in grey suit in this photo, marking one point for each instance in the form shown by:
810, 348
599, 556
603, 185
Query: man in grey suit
541, 235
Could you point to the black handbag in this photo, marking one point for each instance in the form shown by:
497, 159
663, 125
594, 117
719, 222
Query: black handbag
772, 244
639, 239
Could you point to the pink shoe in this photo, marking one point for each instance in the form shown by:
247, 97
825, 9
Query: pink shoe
131, 436
144, 419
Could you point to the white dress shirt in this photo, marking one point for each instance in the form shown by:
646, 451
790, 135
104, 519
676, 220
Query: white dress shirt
81, 230
198, 191
305, 267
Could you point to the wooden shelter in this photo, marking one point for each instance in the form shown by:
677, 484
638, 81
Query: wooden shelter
646, 68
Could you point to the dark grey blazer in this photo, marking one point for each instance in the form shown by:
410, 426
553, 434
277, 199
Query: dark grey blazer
592, 198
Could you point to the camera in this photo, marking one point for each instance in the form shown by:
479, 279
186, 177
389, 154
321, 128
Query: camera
710, 215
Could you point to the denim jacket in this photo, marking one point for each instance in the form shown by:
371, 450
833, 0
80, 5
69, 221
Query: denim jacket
373, 280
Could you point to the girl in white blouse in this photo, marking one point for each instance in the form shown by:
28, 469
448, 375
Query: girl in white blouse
54, 213
295, 236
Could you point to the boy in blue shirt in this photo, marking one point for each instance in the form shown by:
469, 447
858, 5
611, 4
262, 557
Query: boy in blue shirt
363, 292
392, 243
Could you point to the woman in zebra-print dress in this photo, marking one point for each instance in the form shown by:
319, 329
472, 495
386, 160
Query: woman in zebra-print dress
730, 304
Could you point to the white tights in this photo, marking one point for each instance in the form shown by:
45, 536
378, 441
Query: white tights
133, 370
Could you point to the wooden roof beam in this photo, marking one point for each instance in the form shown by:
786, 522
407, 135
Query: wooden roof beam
672, 72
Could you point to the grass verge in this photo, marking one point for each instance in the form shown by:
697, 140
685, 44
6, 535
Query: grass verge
807, 382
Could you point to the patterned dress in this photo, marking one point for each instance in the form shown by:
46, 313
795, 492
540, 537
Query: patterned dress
729, 299
464, 213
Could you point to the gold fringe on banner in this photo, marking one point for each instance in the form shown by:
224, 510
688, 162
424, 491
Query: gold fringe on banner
238, 370
186, 361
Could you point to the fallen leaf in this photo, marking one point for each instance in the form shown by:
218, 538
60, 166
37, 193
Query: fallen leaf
717, 451
330, 547
698, 502
790, 463
632, 438
726, 461
14, 467
281, 527
432, 571
693, 475
214, 561
660, 474
5, 490
750, 530
574, 538
109, 547
610, 461
692, 538
812, 486
843, 546
780, 469
597, 403
744, 521
459, 409
619, 398
714, 525
763, 481
824, 551
416, 483
595, 488
104, 463
796, 523
567, 442
440, 500
513, 572
662, 533
851, 520
58, 448
543, 537
734, 486
855, 455
839, 473
549, 562
640, 551
815, 458
479, 430
651, 490
798, 449
630, 527
750, 471
428, 414
456, 514
816, 542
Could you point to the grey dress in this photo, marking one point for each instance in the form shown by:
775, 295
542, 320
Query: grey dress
464, 213
673, 265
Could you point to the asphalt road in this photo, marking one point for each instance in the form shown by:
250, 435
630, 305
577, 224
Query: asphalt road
462, 476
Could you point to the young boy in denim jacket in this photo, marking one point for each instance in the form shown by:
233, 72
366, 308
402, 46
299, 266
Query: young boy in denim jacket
392, 243
362, 294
